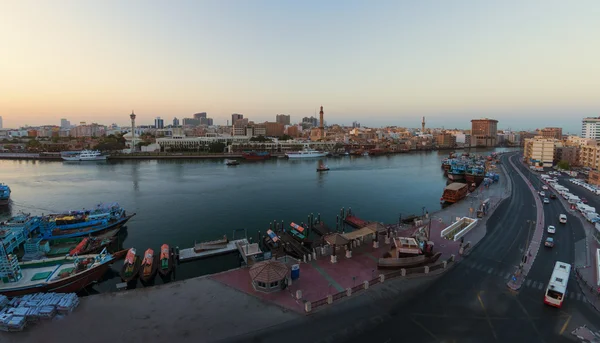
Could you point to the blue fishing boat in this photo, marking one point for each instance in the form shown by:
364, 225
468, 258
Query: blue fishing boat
4, 194
83, 223
457, 172
14, 231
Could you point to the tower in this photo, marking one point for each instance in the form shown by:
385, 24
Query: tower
423, 125
132, 116
321, 123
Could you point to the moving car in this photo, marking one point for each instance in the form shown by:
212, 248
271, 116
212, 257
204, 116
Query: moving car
549, 242
544, 187
542, 193
551, 229
562, 219
546, 201
552, 196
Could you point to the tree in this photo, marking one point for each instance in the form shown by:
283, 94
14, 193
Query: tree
285, 138
216, 147
564, 165
260, 138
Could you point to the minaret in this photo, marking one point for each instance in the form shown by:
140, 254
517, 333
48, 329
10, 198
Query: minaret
423, 125
321, 124
132, 116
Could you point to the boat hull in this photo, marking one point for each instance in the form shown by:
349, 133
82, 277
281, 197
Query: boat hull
4, 202
79, 159
69, 285
148, 277
407, 262
456, 177
64, 233
134, 274
313, 155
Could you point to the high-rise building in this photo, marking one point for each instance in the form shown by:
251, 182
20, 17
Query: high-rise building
355, 124
209, 121
200, 115
0, 122
190, 122
312, 121
551, 132
175, 122
159, 123
282, 119
274, 129
235, 117
484, 132
590, 128
64, 124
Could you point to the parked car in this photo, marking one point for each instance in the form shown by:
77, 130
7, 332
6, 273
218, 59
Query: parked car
551, 229
584, 200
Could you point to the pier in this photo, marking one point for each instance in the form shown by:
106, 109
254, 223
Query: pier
189, 254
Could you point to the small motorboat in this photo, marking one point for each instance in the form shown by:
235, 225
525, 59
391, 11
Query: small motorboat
131, 266
232, 162
165, 266
149, 266
322, 168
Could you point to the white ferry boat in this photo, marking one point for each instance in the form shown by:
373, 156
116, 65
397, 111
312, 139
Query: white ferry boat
307, 152
84, 155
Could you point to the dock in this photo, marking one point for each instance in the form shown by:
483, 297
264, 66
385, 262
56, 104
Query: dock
355, 222
189, 254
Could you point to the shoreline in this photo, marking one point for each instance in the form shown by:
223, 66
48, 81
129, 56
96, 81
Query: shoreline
194, 156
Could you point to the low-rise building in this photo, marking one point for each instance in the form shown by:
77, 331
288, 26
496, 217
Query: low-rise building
445, 140
539, 151
594, 178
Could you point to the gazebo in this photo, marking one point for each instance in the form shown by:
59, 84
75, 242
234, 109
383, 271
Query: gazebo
269, 276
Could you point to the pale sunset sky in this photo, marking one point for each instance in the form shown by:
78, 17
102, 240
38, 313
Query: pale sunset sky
528, 63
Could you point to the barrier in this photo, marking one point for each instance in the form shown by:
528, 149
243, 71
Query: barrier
363, 285
459, 228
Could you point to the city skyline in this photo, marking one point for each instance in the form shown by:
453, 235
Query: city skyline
527, 65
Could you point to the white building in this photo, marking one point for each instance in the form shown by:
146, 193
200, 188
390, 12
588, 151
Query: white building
0, 122
590, 128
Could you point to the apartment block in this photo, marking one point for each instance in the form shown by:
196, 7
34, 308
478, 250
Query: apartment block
539, 150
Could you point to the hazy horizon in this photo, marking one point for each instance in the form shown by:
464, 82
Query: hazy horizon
527, 64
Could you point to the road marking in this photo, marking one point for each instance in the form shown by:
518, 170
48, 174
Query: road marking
528, 283
490, 270
541, 286
534, 284
425, 329
507, 276
486, 315
564, 327
571, 295
578, 296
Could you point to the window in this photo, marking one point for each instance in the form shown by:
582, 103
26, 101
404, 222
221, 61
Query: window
274, 284
261, 284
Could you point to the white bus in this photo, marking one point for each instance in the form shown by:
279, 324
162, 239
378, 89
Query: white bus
557, 287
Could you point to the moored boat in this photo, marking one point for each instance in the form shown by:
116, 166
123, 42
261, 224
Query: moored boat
4, 194
256, 155
306, 152
232, 162
149, 266
83, 223
60, 274
131, 266
454, 192
456, 173
165, 266
84, 155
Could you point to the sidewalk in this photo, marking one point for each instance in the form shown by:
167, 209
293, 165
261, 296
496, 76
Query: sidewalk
516, 281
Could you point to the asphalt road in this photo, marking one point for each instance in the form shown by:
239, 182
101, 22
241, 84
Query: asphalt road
471, 302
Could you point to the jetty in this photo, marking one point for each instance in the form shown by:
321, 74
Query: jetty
190, 254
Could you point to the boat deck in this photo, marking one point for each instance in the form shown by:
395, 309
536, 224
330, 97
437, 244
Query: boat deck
33, 276
189, 254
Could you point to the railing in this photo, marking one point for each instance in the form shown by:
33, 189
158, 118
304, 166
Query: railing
391, 275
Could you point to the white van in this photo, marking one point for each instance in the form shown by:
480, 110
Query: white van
562, 218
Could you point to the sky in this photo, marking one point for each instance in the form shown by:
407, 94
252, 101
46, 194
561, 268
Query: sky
528, 63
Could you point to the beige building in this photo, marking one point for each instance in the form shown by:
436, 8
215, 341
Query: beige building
540, 150
589, 156
551, 132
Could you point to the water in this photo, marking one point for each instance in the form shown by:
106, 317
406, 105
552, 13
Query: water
181, 201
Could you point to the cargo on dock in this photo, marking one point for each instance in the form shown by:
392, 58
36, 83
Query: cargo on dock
211, 245
454, 192
190, 254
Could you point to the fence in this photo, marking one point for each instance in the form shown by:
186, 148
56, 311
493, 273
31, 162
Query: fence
398, 273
